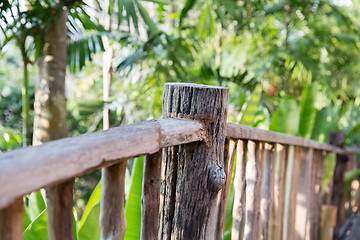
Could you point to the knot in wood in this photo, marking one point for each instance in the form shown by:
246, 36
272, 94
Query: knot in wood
217, 178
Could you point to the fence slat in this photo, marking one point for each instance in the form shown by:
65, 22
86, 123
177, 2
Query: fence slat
279, 191
150, 199
267, 190
229, 157
304, 193
60, 211
292, 182
253, 192
327, 222
317, 173
238, 224
196, 170
112, 215
12, 221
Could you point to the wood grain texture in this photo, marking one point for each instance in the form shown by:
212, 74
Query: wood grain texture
112, 214
29, 169
327, 222
229, 157
267, 191
194, 173
59, 211
12, 221
304, 193
251, 133
253, 191
279, 191
238, 224
150, 199
317, 174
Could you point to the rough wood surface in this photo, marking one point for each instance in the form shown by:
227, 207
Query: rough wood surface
112, 214
328, 222
229, 157
292, 182
317, 173
150, 199
267, 191
238, 224
194, 173
251, 133
337, 199
59, 211
253, 192
29, 169
12, 221
304, 193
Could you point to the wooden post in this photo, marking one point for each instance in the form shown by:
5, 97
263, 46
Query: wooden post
150, 199
229, 157
267, 191
279, 191
12, 221
337, 138
112, 215
304, 193
194, 173
328, 221
59, 211
253, 192
238, 224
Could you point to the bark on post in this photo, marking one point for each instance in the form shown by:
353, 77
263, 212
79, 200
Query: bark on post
12, 221
50, 121
150, 199
193, 173
337, 138
237, 230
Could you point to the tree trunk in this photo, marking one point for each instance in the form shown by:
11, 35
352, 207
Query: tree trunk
50, 119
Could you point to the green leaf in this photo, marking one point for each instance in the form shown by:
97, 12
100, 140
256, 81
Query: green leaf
27, 220
131, 13
188, 5
37, 230
321, 125
307, 111
90, 228
286, 117
93, 200
329, 167
149, 22
133, 206
36, 205
249, 114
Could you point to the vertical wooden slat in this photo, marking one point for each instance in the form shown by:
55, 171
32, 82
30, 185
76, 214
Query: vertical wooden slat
303, 194
59, 211
279, 192
12, 221
150, 198
267, 190
112, 215
328, 222
317, 172
238, 224
292, 182
253, 192
194, 172
229, 157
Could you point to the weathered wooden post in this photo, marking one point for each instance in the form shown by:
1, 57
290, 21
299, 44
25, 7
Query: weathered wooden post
193, 173
337, 138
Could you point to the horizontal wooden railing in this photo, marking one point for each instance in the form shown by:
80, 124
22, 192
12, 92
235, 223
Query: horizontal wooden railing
187, 174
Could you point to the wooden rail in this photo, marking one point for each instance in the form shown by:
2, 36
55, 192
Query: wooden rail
277, 181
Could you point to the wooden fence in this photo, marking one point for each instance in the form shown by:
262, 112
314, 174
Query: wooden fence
190, 157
